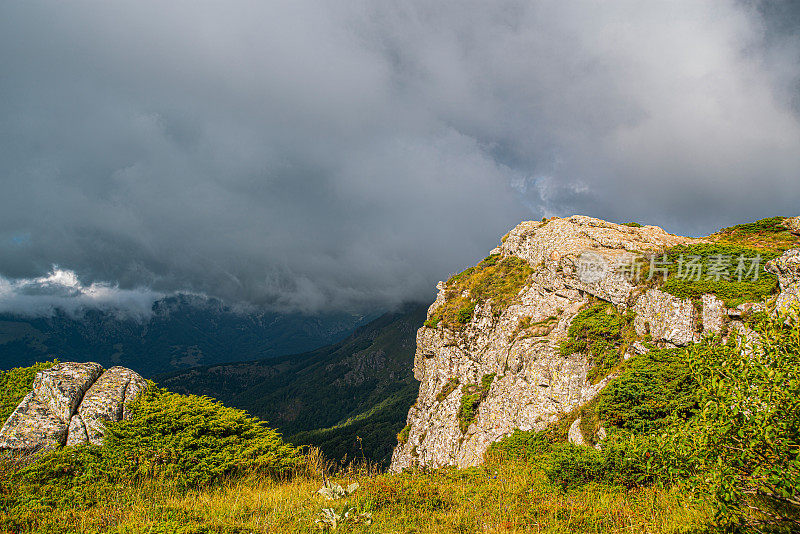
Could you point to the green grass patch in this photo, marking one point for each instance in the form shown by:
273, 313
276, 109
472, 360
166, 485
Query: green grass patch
433, 322
402, 436
726, 270
471, 397
769, 234
622, 461
527, 328
447, 389
495, 278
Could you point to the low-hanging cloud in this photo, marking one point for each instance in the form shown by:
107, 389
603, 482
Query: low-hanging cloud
317, 155
61, 291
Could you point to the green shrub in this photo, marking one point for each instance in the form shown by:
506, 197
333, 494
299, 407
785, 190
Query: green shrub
743, 448
471, 397
447, 389
194, 440
521, 444
767, 234
756, 320
626, 459
434, 321
468, 409
732, 291
769, 225
632, 460
652, 387
570, 466
70, 476
15, 384
402, 436
486, 382
465, 313
601, 332
186, 440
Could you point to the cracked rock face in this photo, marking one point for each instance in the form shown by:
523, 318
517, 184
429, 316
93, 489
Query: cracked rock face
793, 224
665, 317
534, 384
106, 401
558, 245
69, 404
714, 315
787, 267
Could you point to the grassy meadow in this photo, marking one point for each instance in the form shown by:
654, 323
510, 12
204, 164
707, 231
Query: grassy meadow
501, 496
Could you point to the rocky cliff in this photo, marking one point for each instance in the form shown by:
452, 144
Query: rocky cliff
69, 405
495, 354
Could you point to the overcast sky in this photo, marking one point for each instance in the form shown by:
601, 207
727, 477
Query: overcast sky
349, 154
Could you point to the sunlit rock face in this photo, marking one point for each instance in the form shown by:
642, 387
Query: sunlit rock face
793, 224
534, 384
787, 267
69, 405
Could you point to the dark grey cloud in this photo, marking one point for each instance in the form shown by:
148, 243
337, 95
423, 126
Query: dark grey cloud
317, 155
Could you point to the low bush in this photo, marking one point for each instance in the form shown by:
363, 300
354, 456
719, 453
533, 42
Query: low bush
471, 397
625, 459
770, 234
185, 441
742, 450
447, 389
520, 445
651, 388
468, 408
74, 476
770, 225
570, 466
194, 440
600, 332
633, 460
402, 436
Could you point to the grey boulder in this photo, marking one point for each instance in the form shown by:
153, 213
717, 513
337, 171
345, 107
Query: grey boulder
69, 404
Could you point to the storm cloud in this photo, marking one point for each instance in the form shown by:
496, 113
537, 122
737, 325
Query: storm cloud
338, 155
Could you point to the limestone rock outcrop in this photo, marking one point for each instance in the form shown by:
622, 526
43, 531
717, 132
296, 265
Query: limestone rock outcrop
787, 267
533, 382
714, 315
793, 225
511, 353
665, 317
69, 405
106, 400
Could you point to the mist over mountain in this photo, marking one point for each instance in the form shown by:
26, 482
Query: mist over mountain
180, 331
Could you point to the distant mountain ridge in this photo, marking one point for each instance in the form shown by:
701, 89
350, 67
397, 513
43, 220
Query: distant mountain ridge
360, 387
183, 331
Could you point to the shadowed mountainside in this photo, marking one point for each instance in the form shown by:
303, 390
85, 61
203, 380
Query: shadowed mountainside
360, 387
183, 331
